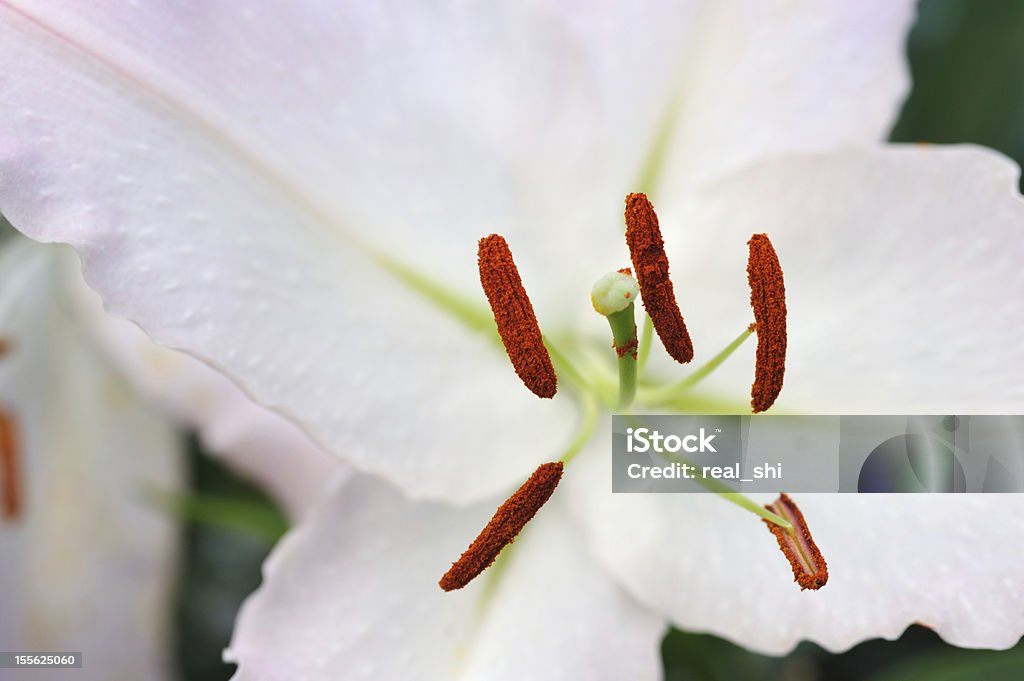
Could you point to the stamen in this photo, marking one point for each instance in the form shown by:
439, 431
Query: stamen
704, 371
768, 298
723, 490
647, 250
809, 568
506, 523
10, 473
514, 316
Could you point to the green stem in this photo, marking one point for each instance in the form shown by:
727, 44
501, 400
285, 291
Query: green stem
706, 370
721, 489
244, 516
754, 507
564, 367
644, 351
623, 325
585, 430
726, 492
467, 310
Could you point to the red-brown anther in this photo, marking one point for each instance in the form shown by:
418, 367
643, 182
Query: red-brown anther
647, 250
768, 298
506, 523
809, 568
10, 468
514, 316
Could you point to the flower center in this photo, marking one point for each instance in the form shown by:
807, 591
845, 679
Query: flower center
535, 360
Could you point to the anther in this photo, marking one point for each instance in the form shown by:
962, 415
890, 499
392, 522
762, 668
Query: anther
506, 523
768, 298
809, 568
10, 473
647, 250
514, 316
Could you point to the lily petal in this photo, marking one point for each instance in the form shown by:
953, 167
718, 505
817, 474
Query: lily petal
353, 592
903, 277
712, 86
248, 229
255, 441
949, 562
86, 564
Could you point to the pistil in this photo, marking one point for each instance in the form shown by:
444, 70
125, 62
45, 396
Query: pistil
614, 296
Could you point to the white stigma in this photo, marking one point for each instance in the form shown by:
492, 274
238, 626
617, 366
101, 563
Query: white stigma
614, 292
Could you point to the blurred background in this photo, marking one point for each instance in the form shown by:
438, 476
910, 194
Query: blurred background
967, 62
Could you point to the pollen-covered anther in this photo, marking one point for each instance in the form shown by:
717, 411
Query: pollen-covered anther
647, 250
514, 316
809, 568
10, 468
506, 523
768, 298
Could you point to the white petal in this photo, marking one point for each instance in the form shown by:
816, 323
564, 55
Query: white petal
353, 592
788, 77
253, 440
89, 563
903, 278
214, 193
949, 562
749, 79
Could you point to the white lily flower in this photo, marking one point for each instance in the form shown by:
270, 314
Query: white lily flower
87, 563
296, 199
